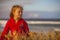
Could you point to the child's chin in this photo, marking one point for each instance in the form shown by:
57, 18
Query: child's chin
19, 17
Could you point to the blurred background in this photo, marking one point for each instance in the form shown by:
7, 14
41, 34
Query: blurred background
41, 15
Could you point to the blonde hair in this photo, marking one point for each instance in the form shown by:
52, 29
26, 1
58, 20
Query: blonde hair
14, 8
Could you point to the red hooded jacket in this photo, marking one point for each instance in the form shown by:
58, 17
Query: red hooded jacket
20, 26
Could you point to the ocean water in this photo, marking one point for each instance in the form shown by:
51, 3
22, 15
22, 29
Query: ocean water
35, 27
43, 28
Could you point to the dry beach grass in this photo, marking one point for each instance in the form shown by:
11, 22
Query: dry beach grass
51, 35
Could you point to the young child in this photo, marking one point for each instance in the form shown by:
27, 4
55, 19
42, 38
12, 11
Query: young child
16, 23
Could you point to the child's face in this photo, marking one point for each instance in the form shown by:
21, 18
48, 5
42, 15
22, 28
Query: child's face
18, 13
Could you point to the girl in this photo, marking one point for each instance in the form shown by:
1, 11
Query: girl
16, 24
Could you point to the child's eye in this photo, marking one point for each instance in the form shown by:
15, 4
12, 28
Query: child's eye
19, 11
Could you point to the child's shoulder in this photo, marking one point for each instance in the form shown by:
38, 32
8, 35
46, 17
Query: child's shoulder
9, 20
24, 20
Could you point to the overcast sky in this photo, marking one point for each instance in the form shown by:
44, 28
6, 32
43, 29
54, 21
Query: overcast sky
32, 8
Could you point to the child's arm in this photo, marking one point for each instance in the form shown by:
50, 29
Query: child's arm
5, 31
26, 27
